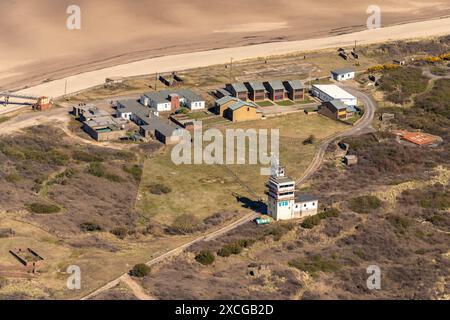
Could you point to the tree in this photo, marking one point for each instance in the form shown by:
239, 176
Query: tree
205, 257
140, 270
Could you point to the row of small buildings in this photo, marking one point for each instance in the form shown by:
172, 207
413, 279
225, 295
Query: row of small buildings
257, 91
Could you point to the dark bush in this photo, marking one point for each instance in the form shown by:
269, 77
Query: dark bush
90, 227
98, 170
310, 222
186, 223
120, 232
135, 171
315, 264
43, 208
364, 204
86, 157
310, 140
140, 270
205, 257
159, 189
400, 224
229, 249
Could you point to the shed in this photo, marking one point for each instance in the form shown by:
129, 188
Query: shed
350, 160
343, 74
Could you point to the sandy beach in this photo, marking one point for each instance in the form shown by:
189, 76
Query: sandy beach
126, 38
86, 80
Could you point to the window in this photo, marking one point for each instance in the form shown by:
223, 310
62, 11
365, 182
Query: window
248, 109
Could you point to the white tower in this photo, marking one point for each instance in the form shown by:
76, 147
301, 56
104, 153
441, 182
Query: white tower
281, 194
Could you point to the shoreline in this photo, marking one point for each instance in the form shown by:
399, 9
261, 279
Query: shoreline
95, 64
166, 63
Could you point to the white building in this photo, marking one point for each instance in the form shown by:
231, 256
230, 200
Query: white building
282, 202
329, 92
162, 101
343, 74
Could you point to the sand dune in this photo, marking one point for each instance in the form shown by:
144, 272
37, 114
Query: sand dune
35, 43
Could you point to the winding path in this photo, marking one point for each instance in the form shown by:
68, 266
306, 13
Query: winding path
361, 127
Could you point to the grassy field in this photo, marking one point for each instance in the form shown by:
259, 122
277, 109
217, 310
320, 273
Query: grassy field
203, 190
265, 103
285, 103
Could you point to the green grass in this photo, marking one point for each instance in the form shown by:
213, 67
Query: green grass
191, 183
264, 103
315, 264
285, 103
98, 170
306, 101
364, 204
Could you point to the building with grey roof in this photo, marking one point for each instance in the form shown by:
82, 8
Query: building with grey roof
276, 90
100, 124
151, 125
337, 110
295, 89
257, 91
171, 100
238, 90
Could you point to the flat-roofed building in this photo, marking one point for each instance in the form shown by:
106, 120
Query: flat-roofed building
343, 74
329, 92
283, 203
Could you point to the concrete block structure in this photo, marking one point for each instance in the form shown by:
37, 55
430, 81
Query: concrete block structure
337, 110
99, 124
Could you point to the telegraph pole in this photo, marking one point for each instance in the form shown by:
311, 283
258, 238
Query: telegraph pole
231, 71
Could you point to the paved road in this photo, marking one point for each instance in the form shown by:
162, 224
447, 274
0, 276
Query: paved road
363, 125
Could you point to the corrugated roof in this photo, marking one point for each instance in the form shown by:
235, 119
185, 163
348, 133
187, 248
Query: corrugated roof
296, 84
239, 87
257, 85
276, 85
225, 99
240, 104
163, 95
338, 104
